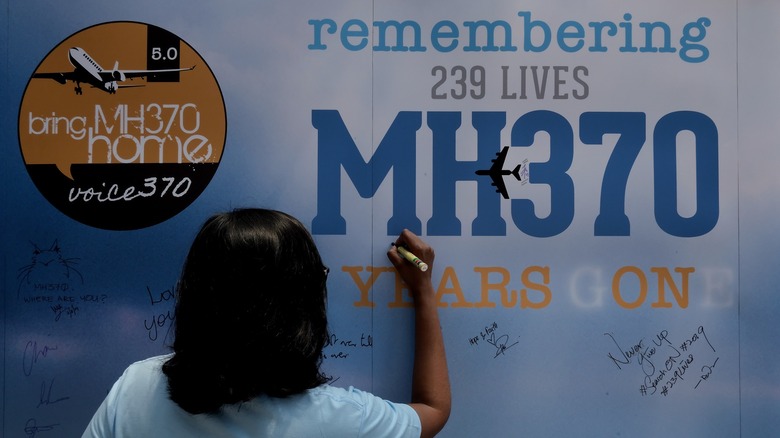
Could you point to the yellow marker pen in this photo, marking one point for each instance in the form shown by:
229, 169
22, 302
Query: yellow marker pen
411, 257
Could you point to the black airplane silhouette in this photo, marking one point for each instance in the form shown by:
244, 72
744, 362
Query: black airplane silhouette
497, 172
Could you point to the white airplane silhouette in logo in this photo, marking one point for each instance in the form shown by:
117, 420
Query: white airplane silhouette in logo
87, 70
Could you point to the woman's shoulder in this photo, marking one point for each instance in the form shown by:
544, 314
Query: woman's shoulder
375, 414
145, 369
337, 392
154, 362
349, 396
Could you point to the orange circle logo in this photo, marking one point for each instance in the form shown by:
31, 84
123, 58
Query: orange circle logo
122, 126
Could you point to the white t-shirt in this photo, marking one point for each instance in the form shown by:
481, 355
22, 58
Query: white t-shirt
138, 406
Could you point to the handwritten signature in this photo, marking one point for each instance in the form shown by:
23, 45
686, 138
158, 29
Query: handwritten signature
45, 397
33, 353
706, 372
71, 310
500, 343
489, 334
31, 428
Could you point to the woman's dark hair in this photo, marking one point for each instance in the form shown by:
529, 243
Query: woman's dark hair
250, 312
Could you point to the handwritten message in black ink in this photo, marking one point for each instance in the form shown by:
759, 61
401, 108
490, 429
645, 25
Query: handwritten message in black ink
341, 348
499, 343
667, 362
161, 320
50, 279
